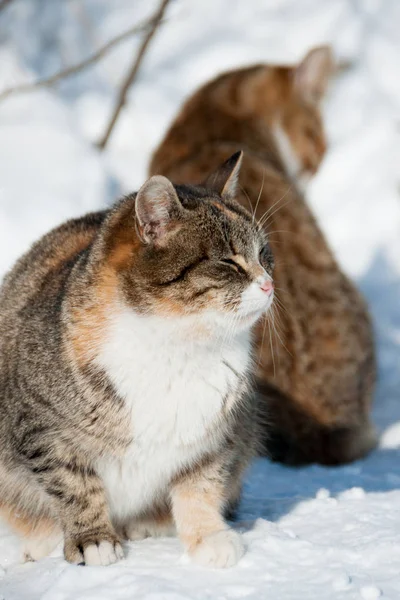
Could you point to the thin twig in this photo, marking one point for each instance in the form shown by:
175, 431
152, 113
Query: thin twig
133, 71
49, 81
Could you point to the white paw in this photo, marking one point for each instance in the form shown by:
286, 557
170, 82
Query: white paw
103, 554
219, 550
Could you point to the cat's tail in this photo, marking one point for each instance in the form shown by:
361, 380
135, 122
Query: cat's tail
292, 437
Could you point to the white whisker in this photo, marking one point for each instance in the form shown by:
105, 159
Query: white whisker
252, 212
259, 195
268, 213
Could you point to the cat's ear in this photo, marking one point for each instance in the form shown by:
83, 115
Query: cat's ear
156, 204
312, 75
225, 180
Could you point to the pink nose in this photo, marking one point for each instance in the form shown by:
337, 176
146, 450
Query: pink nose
267, 286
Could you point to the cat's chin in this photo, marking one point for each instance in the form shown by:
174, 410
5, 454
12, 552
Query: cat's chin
218, 325
236, 323
251, 319
248, 318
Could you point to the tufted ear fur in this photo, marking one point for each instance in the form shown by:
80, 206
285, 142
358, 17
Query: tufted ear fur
156, 204
225, 179
312, 76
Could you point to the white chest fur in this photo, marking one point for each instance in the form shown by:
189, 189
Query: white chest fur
174, 391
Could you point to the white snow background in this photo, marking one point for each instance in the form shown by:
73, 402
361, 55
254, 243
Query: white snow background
313, 533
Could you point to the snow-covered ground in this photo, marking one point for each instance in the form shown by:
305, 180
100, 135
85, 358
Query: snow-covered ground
313, 533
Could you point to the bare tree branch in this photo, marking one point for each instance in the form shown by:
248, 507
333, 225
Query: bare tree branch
133, 71
72, 70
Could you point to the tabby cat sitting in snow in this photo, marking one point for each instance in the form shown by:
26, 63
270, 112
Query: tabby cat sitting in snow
124, 357
316, 376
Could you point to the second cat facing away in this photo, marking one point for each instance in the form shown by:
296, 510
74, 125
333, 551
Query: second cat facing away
125, 353
316, 375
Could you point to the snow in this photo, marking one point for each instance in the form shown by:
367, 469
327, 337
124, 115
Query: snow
312, 533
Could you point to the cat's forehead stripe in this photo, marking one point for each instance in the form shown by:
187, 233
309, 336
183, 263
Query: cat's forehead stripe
231, 211
227, 211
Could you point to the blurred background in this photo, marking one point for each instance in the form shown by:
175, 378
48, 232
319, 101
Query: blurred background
63, 68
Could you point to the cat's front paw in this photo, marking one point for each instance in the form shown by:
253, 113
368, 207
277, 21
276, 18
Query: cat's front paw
93, 551
219, 550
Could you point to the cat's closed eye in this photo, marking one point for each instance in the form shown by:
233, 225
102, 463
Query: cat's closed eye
233, 264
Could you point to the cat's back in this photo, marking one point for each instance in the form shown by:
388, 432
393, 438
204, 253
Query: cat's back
33, 292
234, 107
43, 268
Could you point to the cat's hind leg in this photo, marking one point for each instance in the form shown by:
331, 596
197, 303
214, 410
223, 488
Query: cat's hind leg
39, 533
26, 509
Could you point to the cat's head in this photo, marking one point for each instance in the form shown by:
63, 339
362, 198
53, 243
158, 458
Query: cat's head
191, 252
288, 99
298, 128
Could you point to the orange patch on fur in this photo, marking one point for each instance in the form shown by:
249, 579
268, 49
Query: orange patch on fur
169, 307
26, 525
87, 329
88, 321
230, 213
197, 511
68, 248
120, 255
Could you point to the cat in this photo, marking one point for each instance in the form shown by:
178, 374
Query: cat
316, 372
125, 348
